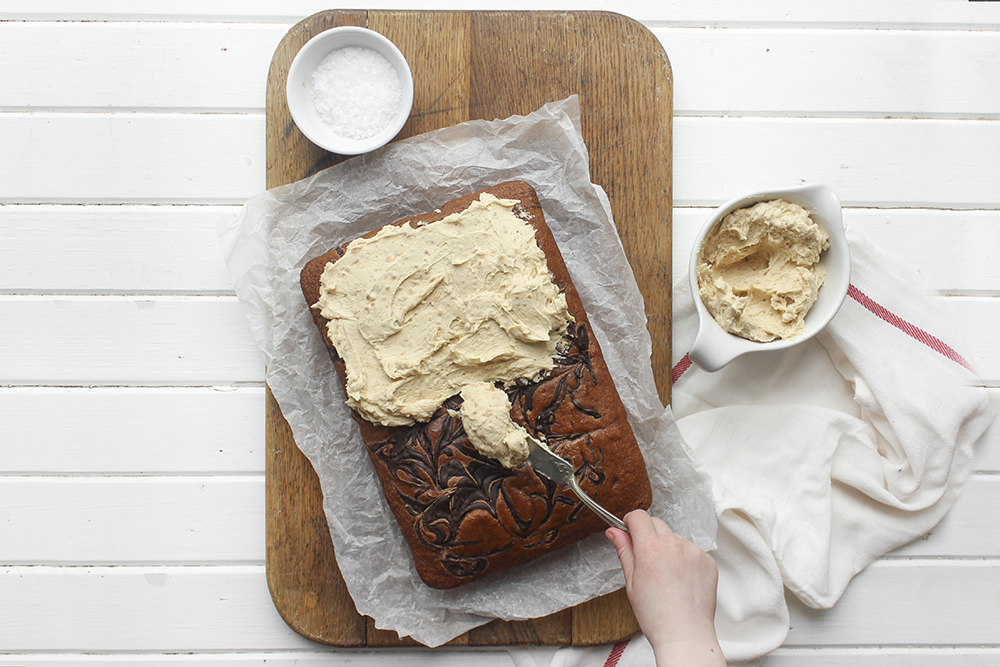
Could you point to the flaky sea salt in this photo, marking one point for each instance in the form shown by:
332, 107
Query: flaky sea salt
356, 92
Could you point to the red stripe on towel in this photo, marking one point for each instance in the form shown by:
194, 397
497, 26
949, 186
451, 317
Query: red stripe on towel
679, 368
616, 653
916, 333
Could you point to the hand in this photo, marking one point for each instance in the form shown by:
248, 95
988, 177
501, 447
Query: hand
671, 584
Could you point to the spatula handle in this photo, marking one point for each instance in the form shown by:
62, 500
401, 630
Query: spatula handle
608, 517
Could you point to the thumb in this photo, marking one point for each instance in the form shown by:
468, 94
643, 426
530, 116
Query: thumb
623, 545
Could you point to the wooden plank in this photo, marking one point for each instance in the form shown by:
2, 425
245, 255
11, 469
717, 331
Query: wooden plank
987, 451
140, 65
946, 602
154, 608
907, 73
894, 656
786, 13
169, 340
866, 157
176, 520
42, 245
131, 157
218, 519
974, 313
132, 430
968, 530
958, 252
175, 431
166, 609
213, 158
192, 66
125, 340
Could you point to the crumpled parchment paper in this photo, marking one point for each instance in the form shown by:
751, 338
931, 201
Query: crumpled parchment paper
265, 246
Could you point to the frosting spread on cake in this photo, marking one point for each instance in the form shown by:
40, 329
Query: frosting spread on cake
759, 270
418, 313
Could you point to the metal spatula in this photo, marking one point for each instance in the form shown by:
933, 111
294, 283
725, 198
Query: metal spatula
545, 462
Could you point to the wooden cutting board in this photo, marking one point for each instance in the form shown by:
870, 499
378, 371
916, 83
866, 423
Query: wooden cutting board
470, 65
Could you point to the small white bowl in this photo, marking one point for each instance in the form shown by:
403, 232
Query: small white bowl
299, 89
714, 347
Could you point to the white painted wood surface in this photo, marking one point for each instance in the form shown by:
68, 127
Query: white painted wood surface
131, 398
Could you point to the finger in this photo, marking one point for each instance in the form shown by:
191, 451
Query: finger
660, 527
640, 525
623, 545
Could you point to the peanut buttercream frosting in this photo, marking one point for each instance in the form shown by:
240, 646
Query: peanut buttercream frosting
759, 270
418, 313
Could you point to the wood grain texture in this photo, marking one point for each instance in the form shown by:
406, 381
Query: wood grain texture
302, 573
470, 65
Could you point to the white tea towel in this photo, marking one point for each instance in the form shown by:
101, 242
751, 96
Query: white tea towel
823, 456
